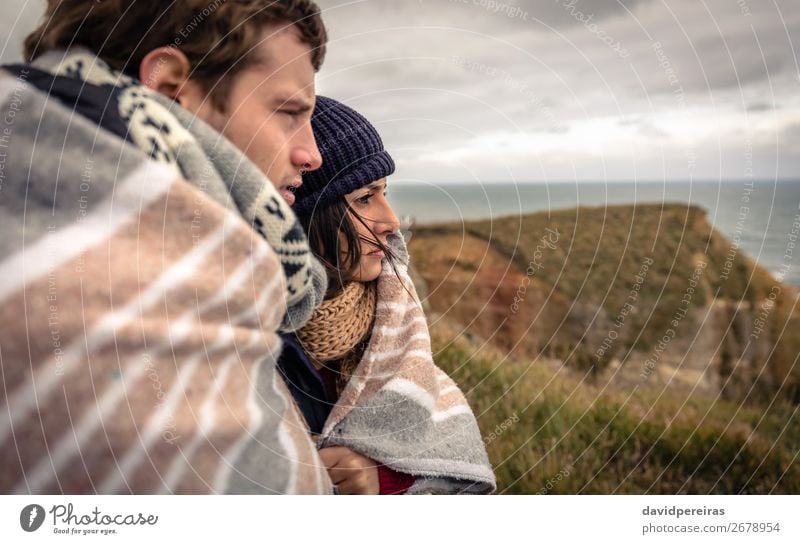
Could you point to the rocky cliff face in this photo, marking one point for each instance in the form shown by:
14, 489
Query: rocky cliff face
632, 295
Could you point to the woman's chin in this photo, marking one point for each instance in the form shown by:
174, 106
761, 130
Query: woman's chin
369, 271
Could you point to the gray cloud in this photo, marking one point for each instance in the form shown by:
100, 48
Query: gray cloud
19, 18
498, 71
529, 88
558, 13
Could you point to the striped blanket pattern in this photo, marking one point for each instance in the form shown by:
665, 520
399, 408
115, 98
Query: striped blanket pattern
138, 343
402, 410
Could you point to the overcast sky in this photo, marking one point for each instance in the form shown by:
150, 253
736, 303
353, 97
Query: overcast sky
533, 90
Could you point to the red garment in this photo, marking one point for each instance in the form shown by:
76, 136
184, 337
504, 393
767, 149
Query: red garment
391, 481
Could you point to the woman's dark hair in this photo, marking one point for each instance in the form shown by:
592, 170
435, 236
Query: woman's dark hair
324, 228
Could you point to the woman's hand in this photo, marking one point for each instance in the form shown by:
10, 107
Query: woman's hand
352, 473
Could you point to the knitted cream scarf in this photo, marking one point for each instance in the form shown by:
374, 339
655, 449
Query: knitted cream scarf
340, 323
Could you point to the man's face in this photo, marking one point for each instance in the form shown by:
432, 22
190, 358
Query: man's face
268, 110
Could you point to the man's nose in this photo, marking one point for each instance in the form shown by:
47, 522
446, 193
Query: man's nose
306, 154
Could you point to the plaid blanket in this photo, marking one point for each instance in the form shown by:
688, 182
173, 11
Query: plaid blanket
139, 318
402, 410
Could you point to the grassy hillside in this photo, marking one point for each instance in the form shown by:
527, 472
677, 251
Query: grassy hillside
628, 349
548, 432
596, 287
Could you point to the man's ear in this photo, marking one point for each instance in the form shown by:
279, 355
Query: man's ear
166, 70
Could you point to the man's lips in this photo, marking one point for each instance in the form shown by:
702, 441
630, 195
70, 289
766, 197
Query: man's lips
288, 196
287, 192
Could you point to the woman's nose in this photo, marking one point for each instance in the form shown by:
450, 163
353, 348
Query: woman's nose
389, 222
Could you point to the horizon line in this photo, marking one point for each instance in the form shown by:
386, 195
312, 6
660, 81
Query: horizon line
562, 182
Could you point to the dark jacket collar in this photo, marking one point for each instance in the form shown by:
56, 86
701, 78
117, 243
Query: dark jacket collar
304, 382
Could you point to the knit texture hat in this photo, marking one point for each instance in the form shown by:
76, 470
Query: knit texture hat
352, 157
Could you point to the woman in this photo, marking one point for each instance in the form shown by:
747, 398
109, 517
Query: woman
386, 419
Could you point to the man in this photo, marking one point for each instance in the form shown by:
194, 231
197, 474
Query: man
148, 263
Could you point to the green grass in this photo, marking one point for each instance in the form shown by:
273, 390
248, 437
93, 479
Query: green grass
570, 437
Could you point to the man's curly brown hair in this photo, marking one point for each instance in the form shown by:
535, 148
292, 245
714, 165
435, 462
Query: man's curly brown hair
217, 36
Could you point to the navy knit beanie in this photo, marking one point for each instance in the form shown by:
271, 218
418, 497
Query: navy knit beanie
352, 157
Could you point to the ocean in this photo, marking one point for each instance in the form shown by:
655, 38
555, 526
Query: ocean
765, 233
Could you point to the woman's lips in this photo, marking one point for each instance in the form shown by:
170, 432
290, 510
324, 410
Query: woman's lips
378, 253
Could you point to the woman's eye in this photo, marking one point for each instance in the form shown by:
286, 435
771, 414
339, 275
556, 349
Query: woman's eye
364, 199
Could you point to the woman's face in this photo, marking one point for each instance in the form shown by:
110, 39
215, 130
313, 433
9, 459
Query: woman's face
370, 203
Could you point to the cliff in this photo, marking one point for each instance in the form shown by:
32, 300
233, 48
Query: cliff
632, 295
629, 349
